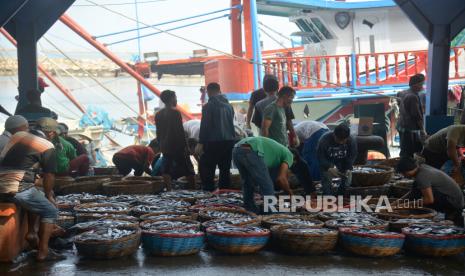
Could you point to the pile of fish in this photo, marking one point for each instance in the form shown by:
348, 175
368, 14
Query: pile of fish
223, 214
367, 170
169, 224
168, 215
100, 224
292, 221
343, 215
102, 208
225, 222
91, 216
186, 194
145, 209
92, 198
183, 231
237, 229
433, 229
108, 234
306, 230
123, 198
372, 231
355, 222
221, 201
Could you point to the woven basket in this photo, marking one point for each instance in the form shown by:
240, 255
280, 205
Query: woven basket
267, 223
177, 215
96, 178
396, 226
400, 213
210, 223
172, 244
303, 243
237, 243
435, 246
195, 224
91, 187
158, 185
81, 208
66, 222
400, 188
204, 217
109, 249
368, 191
61, 181
372, 179
85, 217
105, 170
391, 162
371, 245
128, 187
334, 225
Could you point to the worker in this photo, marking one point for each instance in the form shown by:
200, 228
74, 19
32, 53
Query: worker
136, 157
261, 162
255, 97
34, 110
336, 152
81, 163
172, 140
309, 133
410, 124
13, 125
274, 124
216, 139
437, 189
33, 156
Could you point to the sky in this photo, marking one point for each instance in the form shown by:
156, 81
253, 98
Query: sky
98, 21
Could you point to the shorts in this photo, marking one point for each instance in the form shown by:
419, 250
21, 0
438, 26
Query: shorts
35, 202
177, 164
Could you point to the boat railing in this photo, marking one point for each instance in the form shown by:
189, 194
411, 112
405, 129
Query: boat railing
357, 70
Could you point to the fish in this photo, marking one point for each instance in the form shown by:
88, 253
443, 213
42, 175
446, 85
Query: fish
186, 194
102, 208
237, 229
342, 215
372, 231
101, 223
111, 233
168, 216
177, 231
306, 230
433, 229
169, 224
221, 201
367, 170
225, 222
293, 221
157, 209
355, 222
215, 214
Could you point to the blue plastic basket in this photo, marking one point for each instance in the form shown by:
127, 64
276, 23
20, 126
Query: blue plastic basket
174, 244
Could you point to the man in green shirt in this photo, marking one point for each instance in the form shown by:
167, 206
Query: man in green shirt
65, 152
257, 158
274, 123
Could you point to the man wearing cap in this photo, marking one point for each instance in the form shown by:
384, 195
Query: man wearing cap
28, 156
65, 152
79, 165
410, 124
438, 190
13, 124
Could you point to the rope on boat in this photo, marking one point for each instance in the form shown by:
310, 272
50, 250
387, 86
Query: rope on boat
378, 94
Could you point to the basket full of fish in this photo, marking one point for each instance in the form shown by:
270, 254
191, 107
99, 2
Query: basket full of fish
237, 239
375, 175
354, 222
434, 240
371, 242
397, 225
162, 207
242, 221
169, 216
223, 213
89, 185
128, 187
172, 238
109, 243
190, 196
413, 213
291, 220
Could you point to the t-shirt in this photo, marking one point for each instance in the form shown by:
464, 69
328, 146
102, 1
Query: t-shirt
277, 130
273, 153
25, 151
260, 106
306, 129
65, 153
438, 142
257, 96
141, 154
170, 132
192, 129
439, 182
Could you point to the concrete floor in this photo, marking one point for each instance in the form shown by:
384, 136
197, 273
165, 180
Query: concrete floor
265, 263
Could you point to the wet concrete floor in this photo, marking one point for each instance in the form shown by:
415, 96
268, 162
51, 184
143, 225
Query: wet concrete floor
266, 262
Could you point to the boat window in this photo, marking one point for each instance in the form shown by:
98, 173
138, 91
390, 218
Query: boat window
314, 30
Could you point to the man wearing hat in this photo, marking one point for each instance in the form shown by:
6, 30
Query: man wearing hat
438, 190
13, 124
79, 165
24, 157
410, 124
65, 151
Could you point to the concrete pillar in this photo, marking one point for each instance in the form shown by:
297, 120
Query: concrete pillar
438, 71
27, 60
